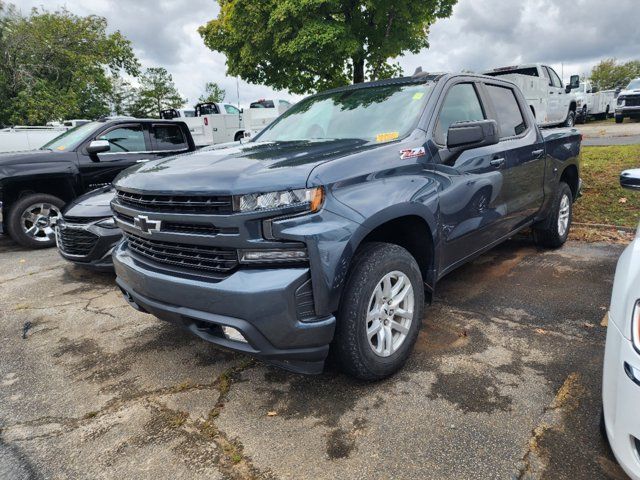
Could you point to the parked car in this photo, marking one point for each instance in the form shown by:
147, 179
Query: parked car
35, 185
551, 102
334, 224
629, 102
86, 233
593, 103
621, 378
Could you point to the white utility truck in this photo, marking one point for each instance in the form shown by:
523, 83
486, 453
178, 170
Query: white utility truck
16, 139
593, 103
551, 103
262, 113
214, 123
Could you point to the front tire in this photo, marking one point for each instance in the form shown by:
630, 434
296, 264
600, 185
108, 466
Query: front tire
31, 220
554, 231
619, 119
380, 312
571, 119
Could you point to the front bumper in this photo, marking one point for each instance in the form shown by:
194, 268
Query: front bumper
633, 111
98, 257
259, 303
621, 397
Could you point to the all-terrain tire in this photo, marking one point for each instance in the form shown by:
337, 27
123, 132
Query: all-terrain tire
551, 233
20, 208
570, 120
353, 351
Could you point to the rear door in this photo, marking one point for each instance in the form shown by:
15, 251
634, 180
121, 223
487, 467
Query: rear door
168, 139
472, 205
559, 99
522, 149
129, 144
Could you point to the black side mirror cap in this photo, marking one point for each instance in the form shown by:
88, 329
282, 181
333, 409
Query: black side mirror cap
467, 135
630, 179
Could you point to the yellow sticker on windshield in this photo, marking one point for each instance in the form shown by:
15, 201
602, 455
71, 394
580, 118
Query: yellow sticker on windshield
61, 148
418, 95
387, 137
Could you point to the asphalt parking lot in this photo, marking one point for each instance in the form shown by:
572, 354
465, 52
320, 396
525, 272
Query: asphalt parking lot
504, 383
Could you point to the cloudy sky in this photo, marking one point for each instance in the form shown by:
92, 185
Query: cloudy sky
481, 34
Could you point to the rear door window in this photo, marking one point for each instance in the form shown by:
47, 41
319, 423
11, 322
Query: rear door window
461, 105
555, 79
168, 137
510, 118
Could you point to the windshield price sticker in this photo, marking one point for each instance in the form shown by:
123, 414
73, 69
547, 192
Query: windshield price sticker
387, 137
412, 153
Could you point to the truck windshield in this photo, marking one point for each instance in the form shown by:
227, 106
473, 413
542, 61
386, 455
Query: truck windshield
373, 114
71, 138
634, 85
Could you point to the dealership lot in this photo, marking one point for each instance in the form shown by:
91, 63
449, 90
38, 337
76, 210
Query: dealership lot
504, 383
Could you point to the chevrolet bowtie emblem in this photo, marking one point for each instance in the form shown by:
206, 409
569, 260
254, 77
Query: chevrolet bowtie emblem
145, 225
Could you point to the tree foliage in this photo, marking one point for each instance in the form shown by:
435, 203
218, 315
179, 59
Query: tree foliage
212, 93
610, 74
57, 65
156, 92
309, 45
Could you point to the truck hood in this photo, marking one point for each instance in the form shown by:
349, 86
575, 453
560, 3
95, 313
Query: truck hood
238, 169
629, 92
32, 156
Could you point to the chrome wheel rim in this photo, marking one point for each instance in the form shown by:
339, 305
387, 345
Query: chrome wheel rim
390, 313
38, 221
563, 215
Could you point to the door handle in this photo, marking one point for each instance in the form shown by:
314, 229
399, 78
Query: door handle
537, 153
497, 162
142, 160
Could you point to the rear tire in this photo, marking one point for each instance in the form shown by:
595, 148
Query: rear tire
31, 218
554, 231
380, 312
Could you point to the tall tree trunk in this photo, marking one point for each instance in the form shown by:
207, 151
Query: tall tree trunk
358, 70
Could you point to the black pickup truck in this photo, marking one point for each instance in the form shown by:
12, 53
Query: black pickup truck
35, 185
332, 227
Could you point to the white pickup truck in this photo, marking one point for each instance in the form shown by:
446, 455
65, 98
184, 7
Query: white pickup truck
19, 138
211, 123
593, 103
552, 103
261, 113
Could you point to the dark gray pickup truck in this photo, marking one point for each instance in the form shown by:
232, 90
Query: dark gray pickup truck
332, 227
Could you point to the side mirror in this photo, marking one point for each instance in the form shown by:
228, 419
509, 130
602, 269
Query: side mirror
467, 135
98, 146
574, 81
630, 179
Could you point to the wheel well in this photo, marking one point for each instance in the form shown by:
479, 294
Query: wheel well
572, 107
239, 135
570, 177
410, 232
61, 189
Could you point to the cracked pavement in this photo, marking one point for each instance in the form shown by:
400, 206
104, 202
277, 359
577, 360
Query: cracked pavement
504, 383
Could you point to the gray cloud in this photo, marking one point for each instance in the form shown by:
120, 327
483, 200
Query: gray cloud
480, 35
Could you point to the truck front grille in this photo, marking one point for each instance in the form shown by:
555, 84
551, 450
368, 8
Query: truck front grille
195, 257
633, 101
204, 204
179, 227
82, 220
75, 241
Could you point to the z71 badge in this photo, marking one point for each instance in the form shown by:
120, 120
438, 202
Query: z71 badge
412, 153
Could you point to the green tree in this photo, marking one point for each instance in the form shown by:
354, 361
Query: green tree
121, 96
157, 92
57, 65
309, 45
610, 74
213, 93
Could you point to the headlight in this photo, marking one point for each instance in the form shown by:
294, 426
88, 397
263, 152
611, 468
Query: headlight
621, 101
311, 198
579, 103
635, 326
107, 223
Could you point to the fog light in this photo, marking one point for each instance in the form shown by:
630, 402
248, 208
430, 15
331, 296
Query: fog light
233, 334
273, 256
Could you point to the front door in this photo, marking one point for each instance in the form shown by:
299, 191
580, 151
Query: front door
555, 112
129, 145
473, 204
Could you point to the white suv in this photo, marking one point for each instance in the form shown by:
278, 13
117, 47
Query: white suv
621, 379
